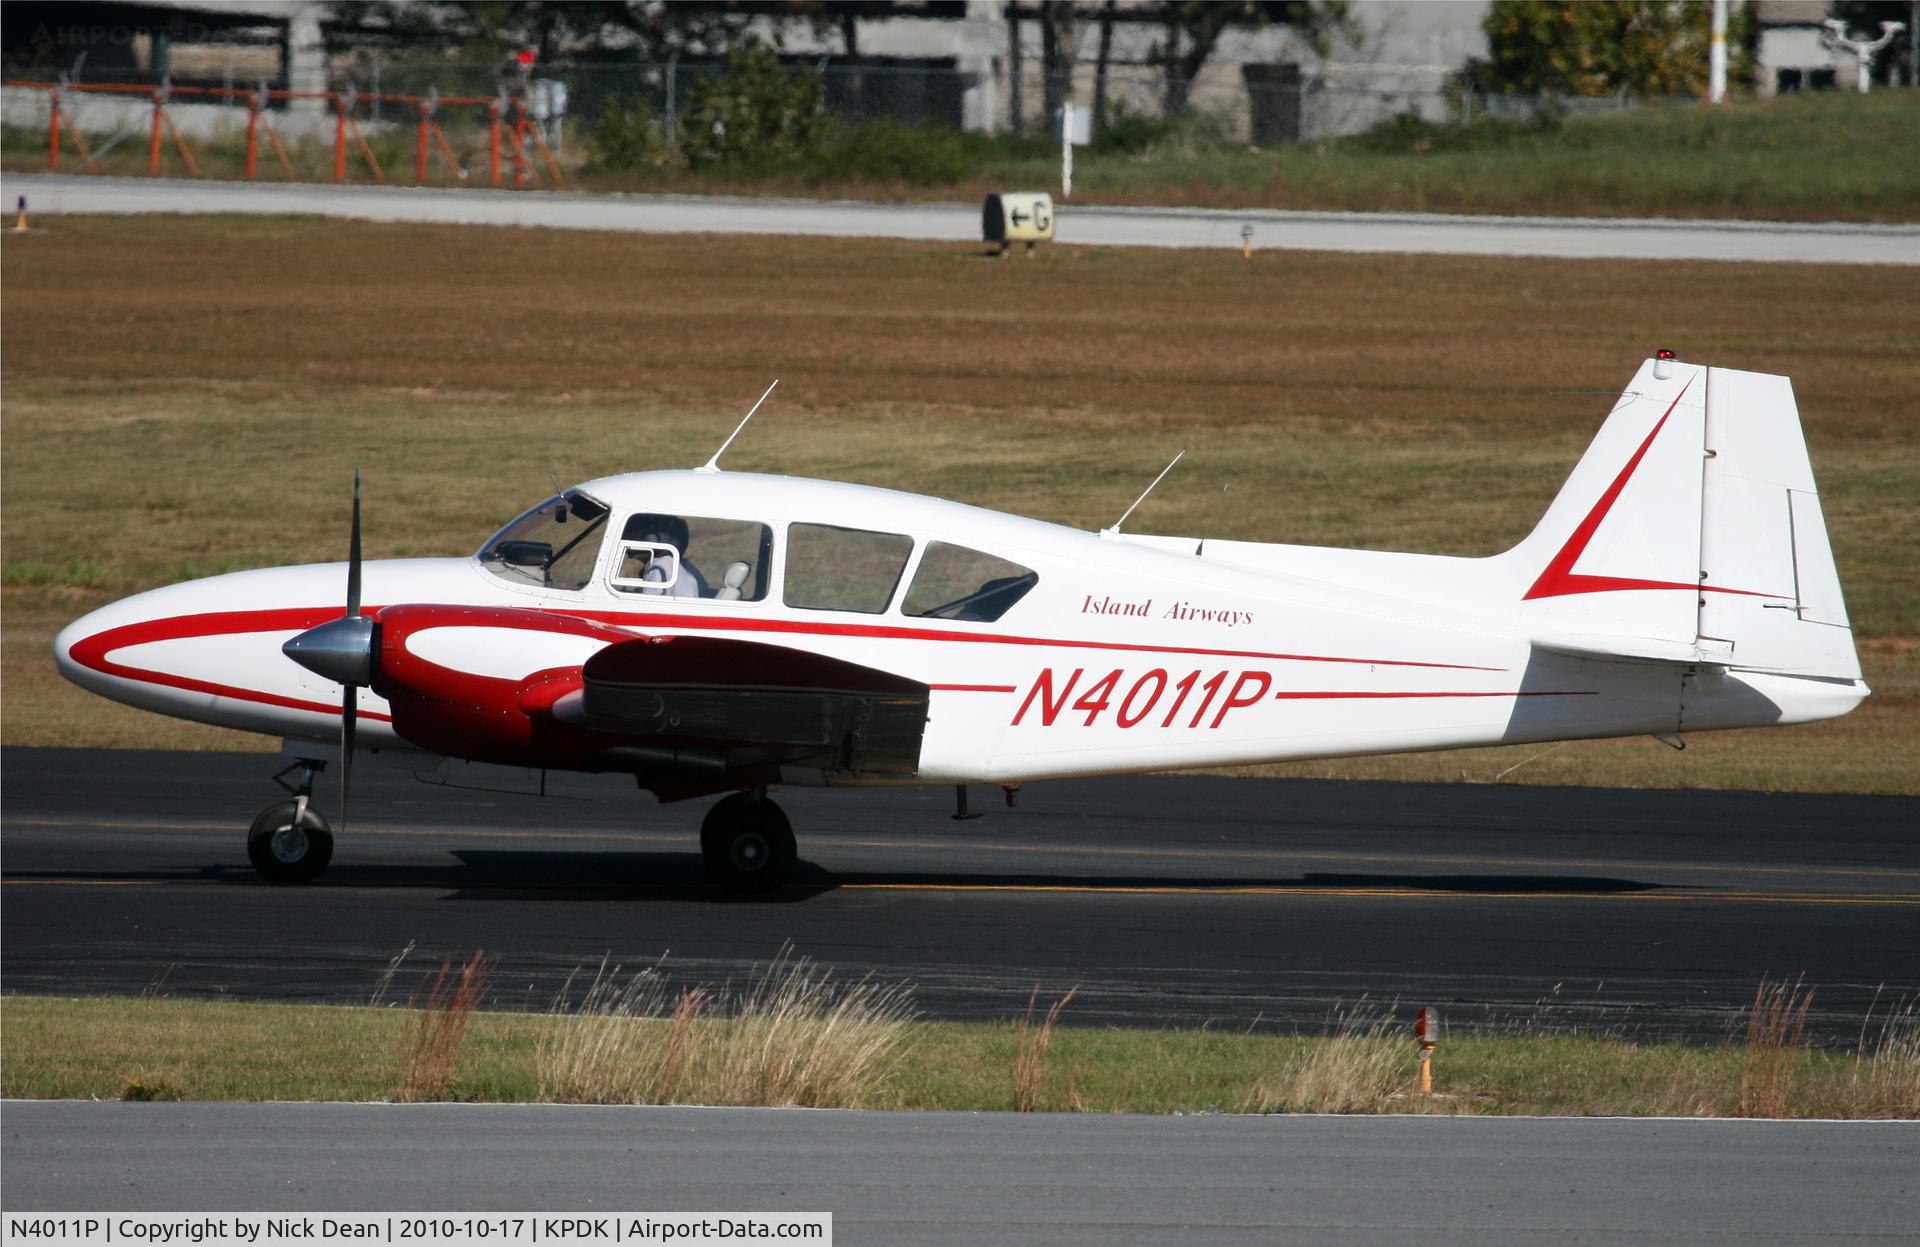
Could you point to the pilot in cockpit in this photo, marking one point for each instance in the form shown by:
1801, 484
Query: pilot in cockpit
665, 530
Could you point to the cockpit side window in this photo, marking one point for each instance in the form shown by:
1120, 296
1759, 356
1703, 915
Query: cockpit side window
843, 569
954, 582
694, 556
554, 545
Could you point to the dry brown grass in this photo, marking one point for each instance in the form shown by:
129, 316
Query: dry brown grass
794, 1037
611, 1048
1885, 1078
1359, 1068
219, 378
1774, 1027
437, 1015
1030, 1048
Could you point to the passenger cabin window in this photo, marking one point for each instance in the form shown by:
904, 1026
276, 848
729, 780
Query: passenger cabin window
843, 569
954, 582
693, 556
555, 545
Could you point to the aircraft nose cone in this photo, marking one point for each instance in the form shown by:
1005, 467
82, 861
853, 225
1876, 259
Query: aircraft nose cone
71, 637
340, 650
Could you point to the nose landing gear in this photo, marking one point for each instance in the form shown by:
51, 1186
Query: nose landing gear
748, 843
289, 842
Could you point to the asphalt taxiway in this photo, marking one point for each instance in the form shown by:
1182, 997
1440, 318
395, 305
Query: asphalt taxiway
1184, 900
1405, 232
966, 1178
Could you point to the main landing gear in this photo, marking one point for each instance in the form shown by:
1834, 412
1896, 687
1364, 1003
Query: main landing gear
748, 843
746, 840
290, 842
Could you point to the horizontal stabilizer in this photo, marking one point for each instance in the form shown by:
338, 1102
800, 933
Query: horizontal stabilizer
1604, 648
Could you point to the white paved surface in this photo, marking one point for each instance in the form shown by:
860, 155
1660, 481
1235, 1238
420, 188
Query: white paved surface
975, 1178
960, 223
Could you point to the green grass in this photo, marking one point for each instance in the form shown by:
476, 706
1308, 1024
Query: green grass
1825, 156
96, 1047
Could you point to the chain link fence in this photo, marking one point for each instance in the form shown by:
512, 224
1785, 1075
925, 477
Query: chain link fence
1258, 105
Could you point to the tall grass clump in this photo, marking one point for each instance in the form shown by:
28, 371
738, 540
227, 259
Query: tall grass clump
1030, 1050
623, 1043
797, 1038
1774, 1027
436, 1026
1354, 1070
1885, 1080
793, 1037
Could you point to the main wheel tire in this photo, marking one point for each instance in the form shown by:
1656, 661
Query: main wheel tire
286, 849
748, 844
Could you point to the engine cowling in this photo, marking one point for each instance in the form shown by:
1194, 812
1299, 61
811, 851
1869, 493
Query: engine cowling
479, 682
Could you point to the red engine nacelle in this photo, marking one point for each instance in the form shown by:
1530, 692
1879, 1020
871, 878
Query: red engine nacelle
484, 718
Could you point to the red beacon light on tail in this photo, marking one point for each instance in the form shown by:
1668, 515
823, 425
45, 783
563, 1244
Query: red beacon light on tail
1663, 364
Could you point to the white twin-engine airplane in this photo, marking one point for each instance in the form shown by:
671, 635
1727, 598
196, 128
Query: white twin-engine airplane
718, 632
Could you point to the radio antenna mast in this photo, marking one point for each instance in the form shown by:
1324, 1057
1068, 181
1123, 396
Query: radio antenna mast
713, 464
1115, 530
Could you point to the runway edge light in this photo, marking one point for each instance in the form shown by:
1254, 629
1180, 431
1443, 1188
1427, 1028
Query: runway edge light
1012, 217
1426, 1032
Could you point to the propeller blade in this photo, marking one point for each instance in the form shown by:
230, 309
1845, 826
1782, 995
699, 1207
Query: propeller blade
353, 552
350, 692
349, 721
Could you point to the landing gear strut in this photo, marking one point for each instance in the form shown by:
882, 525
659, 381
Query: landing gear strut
290, 842
748, 843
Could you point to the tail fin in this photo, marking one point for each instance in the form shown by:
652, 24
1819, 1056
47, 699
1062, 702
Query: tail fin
1691, 532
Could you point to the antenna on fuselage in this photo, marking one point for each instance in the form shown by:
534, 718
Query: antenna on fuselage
1115, 530
713, 464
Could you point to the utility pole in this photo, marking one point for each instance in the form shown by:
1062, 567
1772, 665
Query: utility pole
1717, 56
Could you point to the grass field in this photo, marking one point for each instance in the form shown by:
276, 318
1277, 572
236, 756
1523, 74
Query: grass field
1818, 156
174, 1049
190, 395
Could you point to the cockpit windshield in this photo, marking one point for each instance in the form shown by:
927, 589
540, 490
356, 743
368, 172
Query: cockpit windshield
554, 545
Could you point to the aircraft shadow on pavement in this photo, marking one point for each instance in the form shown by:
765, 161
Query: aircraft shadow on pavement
510, 874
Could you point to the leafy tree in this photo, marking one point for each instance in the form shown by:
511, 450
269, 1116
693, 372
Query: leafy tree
1059, 50
1606, 47
759, 111
570, 29
628, 138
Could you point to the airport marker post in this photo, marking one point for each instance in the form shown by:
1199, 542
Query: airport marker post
1426, 1032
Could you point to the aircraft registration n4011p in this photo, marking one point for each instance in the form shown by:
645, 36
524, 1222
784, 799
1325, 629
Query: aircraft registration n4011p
713, 632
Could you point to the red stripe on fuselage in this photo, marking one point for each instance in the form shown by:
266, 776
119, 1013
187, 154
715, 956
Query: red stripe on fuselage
1285, 695
887, 632
93, 651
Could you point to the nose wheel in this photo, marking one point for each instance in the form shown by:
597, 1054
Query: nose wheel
748, 844
290, 842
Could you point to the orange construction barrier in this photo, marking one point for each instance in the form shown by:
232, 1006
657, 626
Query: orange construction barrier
163, 122
428, 134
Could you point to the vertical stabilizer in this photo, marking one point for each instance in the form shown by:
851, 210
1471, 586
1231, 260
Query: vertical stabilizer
1691, 532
